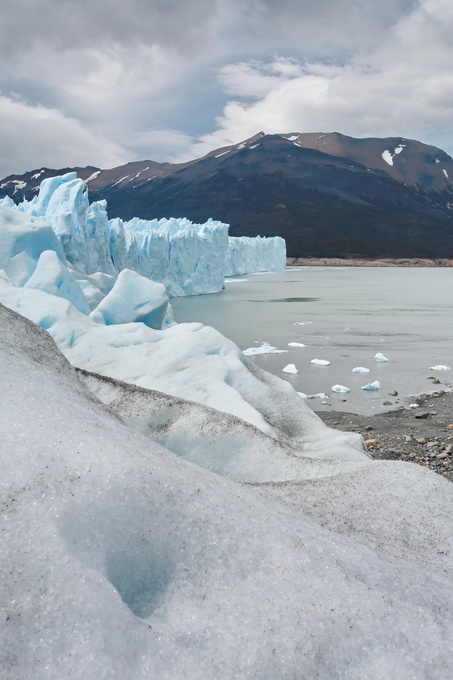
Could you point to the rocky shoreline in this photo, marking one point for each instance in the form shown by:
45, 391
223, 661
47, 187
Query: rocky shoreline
423, 435
352, 262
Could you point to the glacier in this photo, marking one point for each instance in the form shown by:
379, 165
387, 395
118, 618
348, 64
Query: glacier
171, 510
187, 258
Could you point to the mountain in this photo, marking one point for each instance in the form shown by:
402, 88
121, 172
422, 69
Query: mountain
328, 195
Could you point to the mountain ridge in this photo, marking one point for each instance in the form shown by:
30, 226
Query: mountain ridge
327, 194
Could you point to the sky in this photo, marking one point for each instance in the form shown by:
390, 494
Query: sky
105, 82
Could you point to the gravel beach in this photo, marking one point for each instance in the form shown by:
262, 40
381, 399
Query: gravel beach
422, 435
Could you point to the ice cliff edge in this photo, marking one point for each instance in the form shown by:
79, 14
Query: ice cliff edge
187, 258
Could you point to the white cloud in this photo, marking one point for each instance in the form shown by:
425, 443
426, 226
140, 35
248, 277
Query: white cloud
403, 88
46, 134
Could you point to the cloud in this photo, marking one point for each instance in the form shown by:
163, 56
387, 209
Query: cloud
404, 87
47, 135
140, 77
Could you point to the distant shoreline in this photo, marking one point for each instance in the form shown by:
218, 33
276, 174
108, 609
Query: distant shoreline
384, 262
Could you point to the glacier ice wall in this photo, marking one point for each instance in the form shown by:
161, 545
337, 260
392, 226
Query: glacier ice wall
187, 258
246, 255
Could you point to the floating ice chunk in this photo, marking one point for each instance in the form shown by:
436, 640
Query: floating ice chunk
320, 395
440, 367
265, 348
340, 388
380, 357
290, 368
360, 369
296, 344
320, 362
376, 385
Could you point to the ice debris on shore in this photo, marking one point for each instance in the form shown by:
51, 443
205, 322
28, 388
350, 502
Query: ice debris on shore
380, 357
376, 385
320, 362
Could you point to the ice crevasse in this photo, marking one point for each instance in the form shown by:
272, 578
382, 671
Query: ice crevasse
187, 258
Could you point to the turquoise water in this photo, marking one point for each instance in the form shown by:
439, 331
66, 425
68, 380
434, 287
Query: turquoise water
344, 315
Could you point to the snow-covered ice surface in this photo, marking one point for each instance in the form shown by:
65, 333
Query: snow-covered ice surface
123, 560
187, 258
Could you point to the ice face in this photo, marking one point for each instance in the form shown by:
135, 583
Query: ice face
187, 258
247, 255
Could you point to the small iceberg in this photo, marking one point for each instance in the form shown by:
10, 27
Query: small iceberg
380, 357
440, 368
376, 385
340, 388
360, 369
320, 395
320, 362
296, 344
264, 348
290, 369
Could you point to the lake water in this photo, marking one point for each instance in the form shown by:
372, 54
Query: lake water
344, 315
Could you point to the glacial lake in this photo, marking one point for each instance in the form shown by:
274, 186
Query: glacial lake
344, 315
